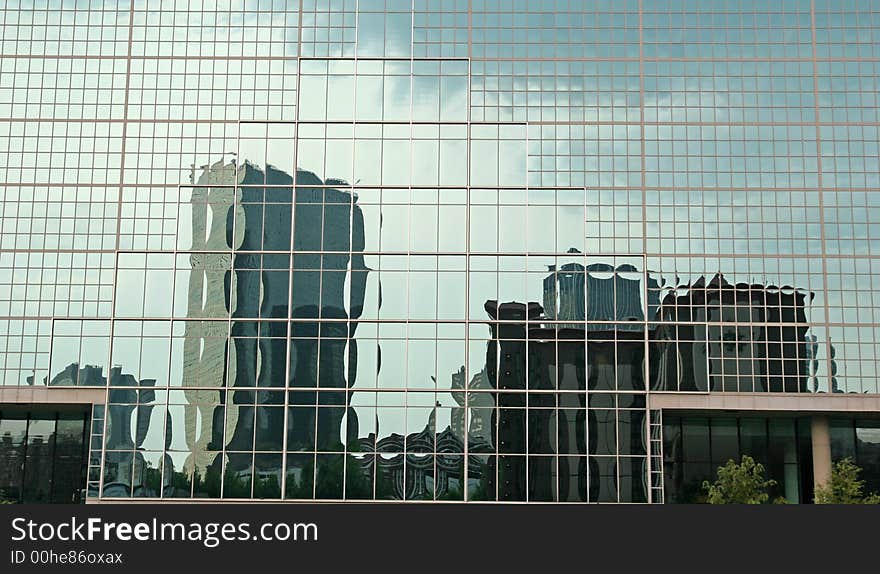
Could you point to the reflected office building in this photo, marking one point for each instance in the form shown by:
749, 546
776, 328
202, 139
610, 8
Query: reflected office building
280, 303
733, 338
571, 393
394, 255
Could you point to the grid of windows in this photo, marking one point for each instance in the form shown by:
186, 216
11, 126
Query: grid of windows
92, 88
59, 218
727, 29
212, 89
554, 28
412, 249
56, 283
85, 28
441, 28
24, 351
846, 29
731, 92
213, 29
555, 91
741, 221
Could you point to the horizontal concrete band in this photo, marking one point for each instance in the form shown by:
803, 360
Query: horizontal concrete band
818, 403
52, 395
782, 402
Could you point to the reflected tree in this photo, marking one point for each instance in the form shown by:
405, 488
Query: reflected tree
207, 486
236, 485
302, 487
267, 487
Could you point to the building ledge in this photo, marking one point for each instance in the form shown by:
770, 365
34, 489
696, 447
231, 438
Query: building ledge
53, 395
781, 402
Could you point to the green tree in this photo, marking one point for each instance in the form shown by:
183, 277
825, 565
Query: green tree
739, 483
844, 487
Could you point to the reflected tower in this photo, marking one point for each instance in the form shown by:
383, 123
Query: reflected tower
239, 213
214, 234
328, 292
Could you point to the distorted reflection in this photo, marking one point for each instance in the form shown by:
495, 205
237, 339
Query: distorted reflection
717, 336
287, 390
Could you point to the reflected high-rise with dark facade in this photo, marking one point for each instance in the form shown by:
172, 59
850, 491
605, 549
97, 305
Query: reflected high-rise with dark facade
446, 251
293, 280
567, 414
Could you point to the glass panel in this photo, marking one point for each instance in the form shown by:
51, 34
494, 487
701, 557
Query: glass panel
725, 440
695, 439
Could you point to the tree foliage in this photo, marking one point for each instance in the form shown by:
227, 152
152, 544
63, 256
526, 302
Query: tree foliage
844, 487
739, 483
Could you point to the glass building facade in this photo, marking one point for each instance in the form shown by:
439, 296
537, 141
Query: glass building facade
452, 250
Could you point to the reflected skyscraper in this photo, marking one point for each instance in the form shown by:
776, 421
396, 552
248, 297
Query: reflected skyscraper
240, 211
559, 426
330, 287
214, 212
